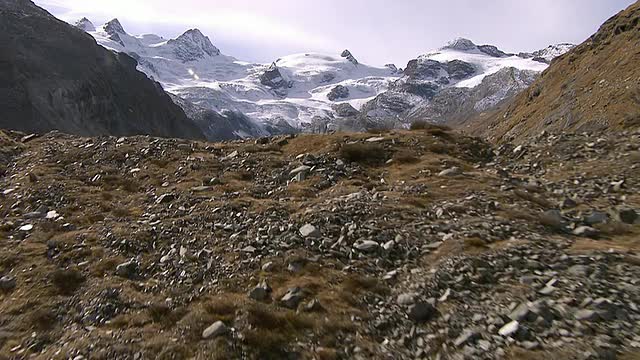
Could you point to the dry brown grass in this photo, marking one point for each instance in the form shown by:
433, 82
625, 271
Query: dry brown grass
543, 203
272, 329
405, 157
371, 154
67, 281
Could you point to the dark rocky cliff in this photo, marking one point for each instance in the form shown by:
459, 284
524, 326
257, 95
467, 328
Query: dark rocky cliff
54, 76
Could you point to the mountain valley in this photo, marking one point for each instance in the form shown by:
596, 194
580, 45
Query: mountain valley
162, 200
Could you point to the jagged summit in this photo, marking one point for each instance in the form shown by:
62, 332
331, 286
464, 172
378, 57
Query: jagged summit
85, 25
193, 45
460, 44
349, 56
466, 45
114, 26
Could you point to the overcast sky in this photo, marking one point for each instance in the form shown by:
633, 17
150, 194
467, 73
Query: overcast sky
376, 31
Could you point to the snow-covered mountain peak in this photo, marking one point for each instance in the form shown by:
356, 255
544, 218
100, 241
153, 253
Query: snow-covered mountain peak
549, 53
113, 27
85, 24
193, 45
460, 44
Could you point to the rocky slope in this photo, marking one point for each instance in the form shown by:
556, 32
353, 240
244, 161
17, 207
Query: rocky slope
54, 76
594, 87
401, 245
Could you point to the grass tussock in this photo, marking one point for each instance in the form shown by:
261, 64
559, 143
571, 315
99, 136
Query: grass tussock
405, 157
256, 149
363, 153
67, 281
543, 203
242, 175
273, 330
474, 242
614, 228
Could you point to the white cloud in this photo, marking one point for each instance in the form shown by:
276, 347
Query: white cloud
376, 31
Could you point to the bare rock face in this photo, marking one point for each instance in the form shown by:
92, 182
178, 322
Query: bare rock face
192, 46
273, 78
85, 25
347, 54
114, 29
55, 77
338, 92
345, 110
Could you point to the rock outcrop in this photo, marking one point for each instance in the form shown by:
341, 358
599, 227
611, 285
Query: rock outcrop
338, 92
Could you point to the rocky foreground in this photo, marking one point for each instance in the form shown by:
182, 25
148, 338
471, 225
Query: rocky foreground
419, 244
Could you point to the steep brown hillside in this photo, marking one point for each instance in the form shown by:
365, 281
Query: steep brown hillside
593, 88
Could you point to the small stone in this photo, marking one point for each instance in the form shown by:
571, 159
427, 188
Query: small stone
454, 171
52, 215
389, 245
579, 270
217, 329
261, 291
313, 306
268, 266
406, 299
586, 315
127, 270
522, 313
375, 139
301, 169
530, 345
27, 227
165, 198
249, 249
596, 217
568, 204
553, 219
201, 188
366, 245
586, 231
445, 296
547, 290
468, 336
7, 283
231, 156
509, 329
292, 298
421, 312
309, 230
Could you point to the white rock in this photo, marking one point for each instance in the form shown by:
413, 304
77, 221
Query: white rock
366, 245
27, 227
509, 329
217, 329
300, 169
454, 171
52, 215
309, 230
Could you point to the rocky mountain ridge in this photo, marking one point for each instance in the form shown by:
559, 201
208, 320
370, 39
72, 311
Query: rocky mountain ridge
297, 93
55, 77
